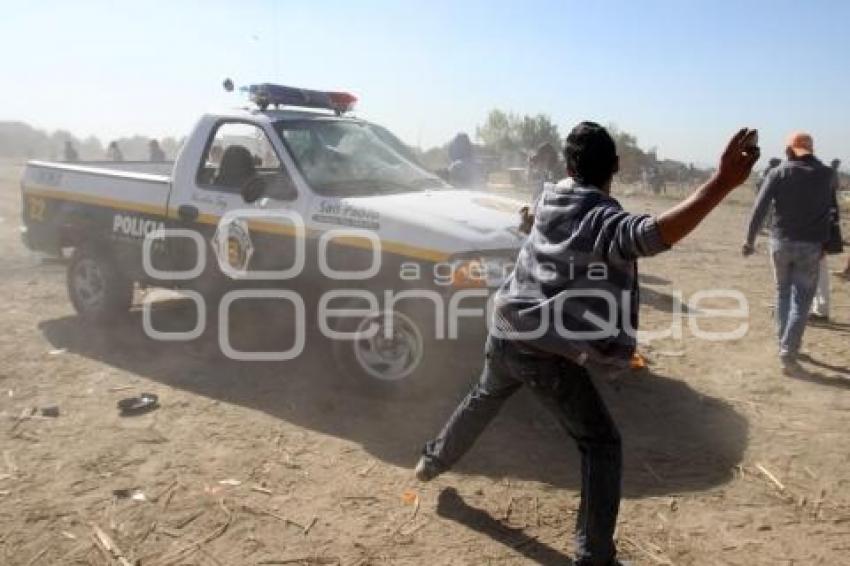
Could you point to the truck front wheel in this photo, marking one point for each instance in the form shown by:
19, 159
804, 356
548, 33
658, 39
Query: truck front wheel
97, 288
379, 362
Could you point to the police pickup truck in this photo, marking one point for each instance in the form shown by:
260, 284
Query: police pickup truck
308, 206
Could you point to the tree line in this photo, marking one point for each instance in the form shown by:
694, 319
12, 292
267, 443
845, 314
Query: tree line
506, 139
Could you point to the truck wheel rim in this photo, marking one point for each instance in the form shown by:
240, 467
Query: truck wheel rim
389, 359
89, 284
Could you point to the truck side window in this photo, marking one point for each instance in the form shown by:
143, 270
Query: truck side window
237, 153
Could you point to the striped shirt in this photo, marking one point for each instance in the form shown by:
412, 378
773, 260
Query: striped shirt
574, 290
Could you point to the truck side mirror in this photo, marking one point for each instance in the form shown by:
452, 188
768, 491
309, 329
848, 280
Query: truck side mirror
253, 189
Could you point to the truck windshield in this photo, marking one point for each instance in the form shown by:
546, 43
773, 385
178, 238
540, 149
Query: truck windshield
340, 158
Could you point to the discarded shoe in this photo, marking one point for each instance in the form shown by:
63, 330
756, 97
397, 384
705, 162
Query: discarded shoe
137, 405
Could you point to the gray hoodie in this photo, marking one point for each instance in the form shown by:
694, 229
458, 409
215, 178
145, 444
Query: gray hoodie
574, 290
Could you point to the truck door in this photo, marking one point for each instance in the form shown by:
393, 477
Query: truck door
263, 234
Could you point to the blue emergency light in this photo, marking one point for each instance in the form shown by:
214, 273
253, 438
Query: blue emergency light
267, 94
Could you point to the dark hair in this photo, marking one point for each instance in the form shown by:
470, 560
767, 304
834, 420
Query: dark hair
591, 154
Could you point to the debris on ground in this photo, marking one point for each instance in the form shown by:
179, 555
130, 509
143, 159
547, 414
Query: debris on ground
132, 406
50, 411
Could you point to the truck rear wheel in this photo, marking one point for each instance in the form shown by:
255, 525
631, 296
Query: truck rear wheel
97, 288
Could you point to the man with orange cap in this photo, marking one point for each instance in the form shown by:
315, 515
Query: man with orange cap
801, 192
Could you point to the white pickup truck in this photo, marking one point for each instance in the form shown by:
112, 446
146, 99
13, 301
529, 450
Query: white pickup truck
317, 208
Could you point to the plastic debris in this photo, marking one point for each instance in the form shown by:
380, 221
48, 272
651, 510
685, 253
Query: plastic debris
133, 493
409, 497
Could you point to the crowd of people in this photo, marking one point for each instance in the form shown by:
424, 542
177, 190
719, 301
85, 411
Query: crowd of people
574, 226
114, 153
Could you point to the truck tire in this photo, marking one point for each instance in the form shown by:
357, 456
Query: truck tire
97, 288
406, 365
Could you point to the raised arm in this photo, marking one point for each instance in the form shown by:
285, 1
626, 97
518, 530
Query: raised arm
736, 164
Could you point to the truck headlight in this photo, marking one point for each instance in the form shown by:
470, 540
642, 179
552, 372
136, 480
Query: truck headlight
481, 272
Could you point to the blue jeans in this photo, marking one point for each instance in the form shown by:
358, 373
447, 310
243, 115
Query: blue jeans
795, 268
565, 389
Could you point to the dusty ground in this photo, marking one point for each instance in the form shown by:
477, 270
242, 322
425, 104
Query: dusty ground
323, 476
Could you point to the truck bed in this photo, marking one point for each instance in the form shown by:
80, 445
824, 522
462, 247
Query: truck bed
53, 192
139, 186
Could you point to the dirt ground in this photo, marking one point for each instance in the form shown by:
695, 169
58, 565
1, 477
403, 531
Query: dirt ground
727, 460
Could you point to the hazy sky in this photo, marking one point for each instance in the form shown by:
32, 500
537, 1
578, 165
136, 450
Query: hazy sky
679, 74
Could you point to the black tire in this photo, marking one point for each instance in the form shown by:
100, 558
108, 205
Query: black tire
98, 289
416, 367
369, 365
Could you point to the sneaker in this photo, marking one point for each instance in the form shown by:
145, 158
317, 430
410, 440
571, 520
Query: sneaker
819, 318
427, 469
791, 367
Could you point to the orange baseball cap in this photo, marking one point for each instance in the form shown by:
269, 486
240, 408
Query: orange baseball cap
801, 143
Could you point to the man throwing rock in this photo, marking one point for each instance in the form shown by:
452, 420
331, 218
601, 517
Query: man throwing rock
576, 272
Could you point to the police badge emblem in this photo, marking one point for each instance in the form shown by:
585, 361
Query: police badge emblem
233, 247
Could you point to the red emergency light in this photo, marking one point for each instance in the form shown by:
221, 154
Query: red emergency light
343, 101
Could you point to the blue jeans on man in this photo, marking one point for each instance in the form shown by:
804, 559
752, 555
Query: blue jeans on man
795, 268
566, 389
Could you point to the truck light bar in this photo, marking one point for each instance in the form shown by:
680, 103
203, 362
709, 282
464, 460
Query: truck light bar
267, 94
